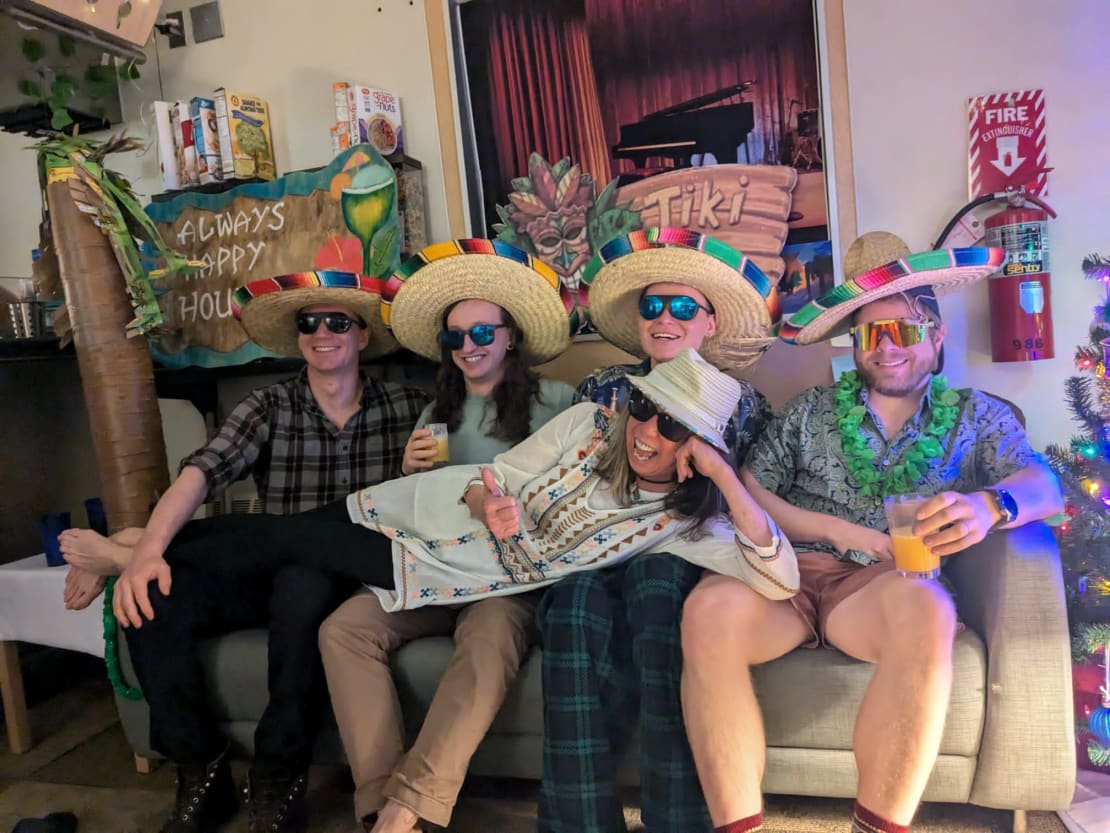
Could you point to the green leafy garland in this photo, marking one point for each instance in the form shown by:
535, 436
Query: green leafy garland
860, 457
111, 648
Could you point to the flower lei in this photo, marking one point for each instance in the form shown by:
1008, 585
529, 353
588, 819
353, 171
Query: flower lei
860, 457
111, 648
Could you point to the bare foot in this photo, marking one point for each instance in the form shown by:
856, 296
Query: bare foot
81, 588
396, 818
91, 551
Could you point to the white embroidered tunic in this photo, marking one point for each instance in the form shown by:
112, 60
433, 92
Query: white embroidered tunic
571, 521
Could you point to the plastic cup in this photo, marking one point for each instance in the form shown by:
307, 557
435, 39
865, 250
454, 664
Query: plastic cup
439, 434
51, 527
911, 557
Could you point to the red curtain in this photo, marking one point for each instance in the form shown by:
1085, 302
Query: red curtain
650, 54
545, 92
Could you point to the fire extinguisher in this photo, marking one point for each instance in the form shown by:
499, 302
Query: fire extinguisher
1020, 293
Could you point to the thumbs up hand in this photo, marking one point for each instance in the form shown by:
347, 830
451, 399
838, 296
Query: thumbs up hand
500, 513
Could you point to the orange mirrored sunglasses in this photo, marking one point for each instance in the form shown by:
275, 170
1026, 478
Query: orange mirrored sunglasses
900, 331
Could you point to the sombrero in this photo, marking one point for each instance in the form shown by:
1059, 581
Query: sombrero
267, 307
877, 265
743, 298
418, 294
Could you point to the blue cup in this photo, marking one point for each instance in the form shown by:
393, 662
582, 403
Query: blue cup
52, 526
94, 511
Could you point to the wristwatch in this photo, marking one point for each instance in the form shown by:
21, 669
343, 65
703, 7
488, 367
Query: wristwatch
1005, 504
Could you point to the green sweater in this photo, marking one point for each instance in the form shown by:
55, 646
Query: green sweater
471, 443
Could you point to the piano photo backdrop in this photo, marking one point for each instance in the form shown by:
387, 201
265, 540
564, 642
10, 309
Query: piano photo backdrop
645, 104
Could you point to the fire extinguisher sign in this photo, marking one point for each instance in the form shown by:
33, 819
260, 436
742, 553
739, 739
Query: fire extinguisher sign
1006, 143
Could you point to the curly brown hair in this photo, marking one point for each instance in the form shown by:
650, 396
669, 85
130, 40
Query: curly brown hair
519, 383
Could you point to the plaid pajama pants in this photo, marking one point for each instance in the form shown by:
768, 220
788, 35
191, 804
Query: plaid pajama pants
612, 661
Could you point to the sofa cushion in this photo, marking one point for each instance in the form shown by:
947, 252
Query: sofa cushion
809, 697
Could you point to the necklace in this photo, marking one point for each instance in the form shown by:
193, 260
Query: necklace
860, 457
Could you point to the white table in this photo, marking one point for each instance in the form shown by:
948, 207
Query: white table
32, 610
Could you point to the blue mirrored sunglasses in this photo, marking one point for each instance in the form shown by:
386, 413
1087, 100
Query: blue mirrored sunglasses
682, 307
481, 334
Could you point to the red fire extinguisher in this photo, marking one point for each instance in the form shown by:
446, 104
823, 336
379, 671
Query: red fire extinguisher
1020, 293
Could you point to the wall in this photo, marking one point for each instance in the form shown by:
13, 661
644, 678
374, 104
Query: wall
911, 69
286, 51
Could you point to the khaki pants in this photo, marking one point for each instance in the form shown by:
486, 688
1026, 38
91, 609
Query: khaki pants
491, 638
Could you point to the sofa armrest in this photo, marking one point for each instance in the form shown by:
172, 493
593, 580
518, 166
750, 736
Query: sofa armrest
1011, 592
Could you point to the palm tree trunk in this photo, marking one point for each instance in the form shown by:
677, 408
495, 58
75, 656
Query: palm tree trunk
117, 375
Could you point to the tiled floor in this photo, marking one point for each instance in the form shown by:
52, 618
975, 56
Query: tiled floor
82, 763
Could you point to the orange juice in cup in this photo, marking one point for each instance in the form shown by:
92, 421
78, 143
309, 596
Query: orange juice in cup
912, 558
439, 434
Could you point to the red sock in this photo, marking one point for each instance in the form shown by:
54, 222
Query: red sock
864, 821
751, 824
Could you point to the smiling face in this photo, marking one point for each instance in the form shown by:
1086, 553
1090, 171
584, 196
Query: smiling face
328, 352
651, 456
665, 337
480, 365
896, 371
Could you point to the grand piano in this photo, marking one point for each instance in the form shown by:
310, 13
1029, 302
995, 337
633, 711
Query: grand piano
690, 127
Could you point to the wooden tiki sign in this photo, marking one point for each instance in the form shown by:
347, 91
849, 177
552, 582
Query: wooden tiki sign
746, 206
341, 217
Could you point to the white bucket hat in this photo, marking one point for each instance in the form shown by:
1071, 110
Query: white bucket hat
694, 393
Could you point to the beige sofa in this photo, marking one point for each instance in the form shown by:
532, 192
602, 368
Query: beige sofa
1008, 742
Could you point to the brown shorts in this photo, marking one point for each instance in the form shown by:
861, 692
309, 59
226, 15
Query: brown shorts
826, 581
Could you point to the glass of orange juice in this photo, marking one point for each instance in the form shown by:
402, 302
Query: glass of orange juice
439, 434
912, 558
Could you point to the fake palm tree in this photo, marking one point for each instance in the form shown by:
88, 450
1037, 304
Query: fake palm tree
93, 227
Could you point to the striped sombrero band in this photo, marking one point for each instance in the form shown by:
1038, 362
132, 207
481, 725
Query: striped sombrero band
743, 298
267, 307
417, 296
878, 265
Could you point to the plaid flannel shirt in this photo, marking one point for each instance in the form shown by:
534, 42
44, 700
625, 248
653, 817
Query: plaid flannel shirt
299, 459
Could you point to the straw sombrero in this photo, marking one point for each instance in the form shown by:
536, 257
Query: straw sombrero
879, 264
418, 294
742, 296
267, 307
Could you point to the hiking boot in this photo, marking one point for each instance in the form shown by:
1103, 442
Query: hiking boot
205, 797
276, 805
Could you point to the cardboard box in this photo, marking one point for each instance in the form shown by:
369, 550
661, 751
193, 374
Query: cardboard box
374, 116
246, 145
206, 137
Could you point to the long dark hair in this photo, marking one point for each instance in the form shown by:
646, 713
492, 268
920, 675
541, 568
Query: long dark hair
519, 383
696, 500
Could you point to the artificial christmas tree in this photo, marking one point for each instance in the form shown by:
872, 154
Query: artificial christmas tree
1083, 530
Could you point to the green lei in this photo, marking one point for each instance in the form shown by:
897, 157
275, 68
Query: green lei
111, 648
860, 457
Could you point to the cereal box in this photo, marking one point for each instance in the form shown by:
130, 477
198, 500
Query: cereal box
374, 116
206, 137
246, 146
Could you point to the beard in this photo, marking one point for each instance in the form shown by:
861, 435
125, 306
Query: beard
920, 373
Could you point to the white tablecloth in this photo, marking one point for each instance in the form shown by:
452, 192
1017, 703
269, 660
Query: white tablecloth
32, 610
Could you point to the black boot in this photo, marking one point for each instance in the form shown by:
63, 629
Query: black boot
276, 805
205, 797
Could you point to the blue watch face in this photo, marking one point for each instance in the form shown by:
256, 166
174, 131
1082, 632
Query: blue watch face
1006, 504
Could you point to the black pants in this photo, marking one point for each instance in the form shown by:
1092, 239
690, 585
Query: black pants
287, 573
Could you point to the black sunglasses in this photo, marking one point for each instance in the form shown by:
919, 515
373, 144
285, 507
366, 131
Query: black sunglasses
336, 322
682, 307
480, 334
641, 408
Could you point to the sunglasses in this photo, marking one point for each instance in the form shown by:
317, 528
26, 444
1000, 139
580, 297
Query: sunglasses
902, 333
643, 409
481, 334
682, 307
336, 322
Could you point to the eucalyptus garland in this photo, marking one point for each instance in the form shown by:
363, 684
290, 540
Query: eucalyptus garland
111, 648
860, 457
